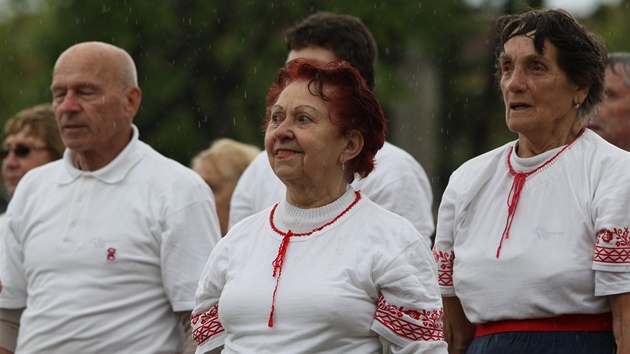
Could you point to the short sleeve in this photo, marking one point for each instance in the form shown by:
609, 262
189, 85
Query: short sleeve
611, 216
188, 237
208, 331
443, 248
409, 312
14, 290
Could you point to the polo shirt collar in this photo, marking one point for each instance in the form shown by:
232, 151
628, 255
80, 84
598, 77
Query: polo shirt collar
113, 172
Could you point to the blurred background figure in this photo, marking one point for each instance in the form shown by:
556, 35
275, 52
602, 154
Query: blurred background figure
31, 139
221, 165
398, 183
612, 121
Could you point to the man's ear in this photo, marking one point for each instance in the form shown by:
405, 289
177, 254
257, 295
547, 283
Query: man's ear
133, 97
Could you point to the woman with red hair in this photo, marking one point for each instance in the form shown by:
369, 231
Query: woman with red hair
325, 269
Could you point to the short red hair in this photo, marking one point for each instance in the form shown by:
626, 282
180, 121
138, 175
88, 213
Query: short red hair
352, 105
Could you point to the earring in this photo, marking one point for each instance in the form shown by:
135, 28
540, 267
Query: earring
343, 166
577, 105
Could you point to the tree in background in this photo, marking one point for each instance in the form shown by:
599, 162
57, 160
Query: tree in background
204, 66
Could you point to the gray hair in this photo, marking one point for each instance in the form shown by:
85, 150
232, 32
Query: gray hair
617, 60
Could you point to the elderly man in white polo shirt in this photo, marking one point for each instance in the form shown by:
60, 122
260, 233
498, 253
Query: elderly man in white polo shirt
103, 248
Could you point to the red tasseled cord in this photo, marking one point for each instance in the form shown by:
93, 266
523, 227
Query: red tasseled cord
277, 270
512, 202
519, 182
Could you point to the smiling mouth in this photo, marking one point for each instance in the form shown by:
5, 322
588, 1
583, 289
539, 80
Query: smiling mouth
281, 153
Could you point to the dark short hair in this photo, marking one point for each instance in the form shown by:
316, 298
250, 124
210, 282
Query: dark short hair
581, 53
346, 36
352, 105
41, 123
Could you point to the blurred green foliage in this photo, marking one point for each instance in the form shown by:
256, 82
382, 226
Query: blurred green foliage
204, 66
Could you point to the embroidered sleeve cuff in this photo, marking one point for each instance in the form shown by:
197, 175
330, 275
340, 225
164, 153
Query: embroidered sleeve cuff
444, 262
612, 250
402, 326
207, 330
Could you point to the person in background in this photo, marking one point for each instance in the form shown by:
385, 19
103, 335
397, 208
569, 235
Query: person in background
31, 139
221, 165
103, 249
398, 183
325, 270
612, 121
532, 237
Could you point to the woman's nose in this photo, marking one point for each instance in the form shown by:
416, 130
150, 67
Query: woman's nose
284, 130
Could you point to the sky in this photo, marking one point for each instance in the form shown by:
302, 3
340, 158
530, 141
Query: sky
578, 7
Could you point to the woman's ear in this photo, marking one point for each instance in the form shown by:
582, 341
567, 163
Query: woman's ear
580, 95
354, 145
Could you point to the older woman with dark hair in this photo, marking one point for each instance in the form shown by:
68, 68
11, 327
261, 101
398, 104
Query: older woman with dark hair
325, 270
532, 241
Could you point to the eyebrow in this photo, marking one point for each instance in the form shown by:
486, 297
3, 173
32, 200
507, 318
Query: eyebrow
528, 57
81, 85
300, 107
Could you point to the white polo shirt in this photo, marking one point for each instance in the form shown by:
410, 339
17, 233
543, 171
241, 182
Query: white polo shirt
101, 260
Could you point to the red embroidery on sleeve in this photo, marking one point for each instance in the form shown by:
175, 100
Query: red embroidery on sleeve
206, 325
444, 262
405, 322
613, 246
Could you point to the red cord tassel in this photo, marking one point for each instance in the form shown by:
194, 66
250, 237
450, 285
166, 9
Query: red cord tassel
513, 197
277, 270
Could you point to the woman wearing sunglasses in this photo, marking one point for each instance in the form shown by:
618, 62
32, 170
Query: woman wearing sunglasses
31, 139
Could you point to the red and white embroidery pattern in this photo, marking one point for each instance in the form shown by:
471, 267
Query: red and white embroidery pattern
206, 324
444, 262
613, 246
412, 324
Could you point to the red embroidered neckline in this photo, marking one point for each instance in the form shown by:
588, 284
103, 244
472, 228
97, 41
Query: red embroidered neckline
517, 187
286, 236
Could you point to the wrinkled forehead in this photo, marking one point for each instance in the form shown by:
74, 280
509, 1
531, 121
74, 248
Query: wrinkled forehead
88, 65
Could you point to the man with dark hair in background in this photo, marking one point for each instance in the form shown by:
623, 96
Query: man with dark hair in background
398, 183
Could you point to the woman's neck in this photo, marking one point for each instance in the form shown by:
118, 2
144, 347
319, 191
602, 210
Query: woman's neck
533, 145
313, 196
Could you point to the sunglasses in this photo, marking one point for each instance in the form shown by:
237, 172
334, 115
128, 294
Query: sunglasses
20, 151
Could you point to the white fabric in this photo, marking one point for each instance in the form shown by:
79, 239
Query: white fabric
331, 282
398, 184
553, 262
101, 260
